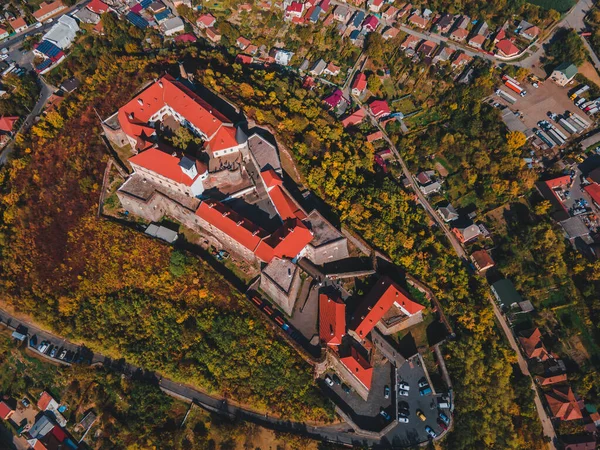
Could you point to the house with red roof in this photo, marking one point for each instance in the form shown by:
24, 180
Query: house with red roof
506, 48
97, 6
7, 124
375, 5
532, 345
3, 33
379, 108
242, 43
244, 59
360, 369
294, 11
563, 403
459, 35
355, 118
370, 23
48, 10
285, 205
5, 411
206, 21
359, 84
531, 33
334, 99
375, 136
477, 41
418, 21
500, 35
332, 70
332, 319
388, 307
18, 24
547, 381
593, 190
390, 13
410, 42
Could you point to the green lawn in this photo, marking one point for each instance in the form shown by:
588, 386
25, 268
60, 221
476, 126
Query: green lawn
559, 5
571, 320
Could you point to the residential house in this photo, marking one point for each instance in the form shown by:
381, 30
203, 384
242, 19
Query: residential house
6, 411
580, 441
325, 5
370, 24
172, 26
304, 66
242, 43
70, 85
375, 136
390, 13
252, 49
564, 73
379, 108
313, 17
466, 233
332, 70
357, 20
355, 118
506, 294
531, 33
318, 68
444, 55
156, 7
244, 59
506, 48
593, 190
482, 260
418, 21
282, 57
342, 13
563, 403
84, 15
63, 32
461, 60
427, 48
328, 20
213, 35
410, 42
553, 191
332, 319
390, 33
48, 10
405, 11
482, 29
375, 5
462, 22
477, 41
334, 99
444, 24
245, 7
532, 345
388, 307
294, 11
500, 35
18, 25
3, 33
459, 35
206, 21
548, 381
448, 213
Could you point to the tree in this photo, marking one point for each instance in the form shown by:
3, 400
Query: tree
184, 137
515, 140
374, 46
566, 46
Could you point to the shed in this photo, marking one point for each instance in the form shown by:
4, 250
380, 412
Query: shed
506, 294
160, 232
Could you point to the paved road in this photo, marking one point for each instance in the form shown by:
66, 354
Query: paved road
546, 423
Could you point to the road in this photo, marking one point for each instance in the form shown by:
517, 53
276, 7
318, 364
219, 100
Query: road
546, 422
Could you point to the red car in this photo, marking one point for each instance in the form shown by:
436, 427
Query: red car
442, 424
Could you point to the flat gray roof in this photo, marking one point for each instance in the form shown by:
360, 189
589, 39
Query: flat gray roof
574, 227
322, 230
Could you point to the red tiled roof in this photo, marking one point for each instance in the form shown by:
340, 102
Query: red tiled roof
371, 22
334, 99
391, 11
483, 259
332, 319
38, 445
224, 138
244, 59
174, 94
460, 33
207, 20
295, 7
243, 42
532, 31
97, 6
18, 23
231, 223
286, 242
284, 204
418, 20
551, 380
378, 302
375, 136
563, 403
59, 433
356, 117
166, 165
500, 35
331, 67
533, 345
410, 41
359, 367
47, 8
44, 401
507, 47
379, 108
7, 123
271, 178
477, 39
187, 37
360, 82
593, 190
461, 59
563, 181
5, 410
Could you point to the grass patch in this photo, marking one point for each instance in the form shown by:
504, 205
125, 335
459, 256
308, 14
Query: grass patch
571, 320
559, 5
404, 105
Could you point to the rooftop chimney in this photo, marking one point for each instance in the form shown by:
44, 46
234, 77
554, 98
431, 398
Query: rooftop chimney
140, 101
160, 84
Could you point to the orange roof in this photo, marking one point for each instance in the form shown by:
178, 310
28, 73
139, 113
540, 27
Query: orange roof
532, 31
356, 117
206, 19
47, 8
18, 23
134, 116
166, 165
5, 410
224, 138
375, 136
359, 367
44, 401
506, 47
3, 31
38, 445
418, 20
284, 204
360, 82
533, 345
97, 6
244, 59
7, 123
231, 223
378, 302
286, 242
593, 190
271, 178
563, 181
332, 319
460, 33
477, 39
551, 380
563, 403
461, 59
243, 42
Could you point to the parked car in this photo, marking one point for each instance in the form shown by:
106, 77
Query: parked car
54, 352
336, 379
43, 346
404, 385
38, 25
386, 392
442, 424
33, 341
63, 354
329, 381
402, 419
25, 402
430, 432
403, 393
346, 388
420, 415
423, 383
425, 391
384, 414
444, 418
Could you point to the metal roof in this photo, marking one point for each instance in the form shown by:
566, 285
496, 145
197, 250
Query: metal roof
136, 20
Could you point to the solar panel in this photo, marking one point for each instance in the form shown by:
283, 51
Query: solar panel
43, 65
48, 49
137, 20
163, 15
146, 3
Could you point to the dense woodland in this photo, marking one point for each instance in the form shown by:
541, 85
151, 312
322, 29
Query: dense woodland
88, 278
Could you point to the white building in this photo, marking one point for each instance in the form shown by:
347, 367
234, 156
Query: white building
63, 33
172, 26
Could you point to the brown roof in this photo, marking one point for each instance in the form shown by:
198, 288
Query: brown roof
482, 260
47, 8
533, 345
563, 403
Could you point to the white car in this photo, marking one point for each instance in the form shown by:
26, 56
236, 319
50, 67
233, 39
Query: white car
63, 354
402, 419
423, 384
404, 385
329, 381
3, 57
403, 393
38, 25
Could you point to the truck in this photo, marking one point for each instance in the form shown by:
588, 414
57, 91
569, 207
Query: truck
592, 111
580, 102
555, 137
506, 96
579, 91
567, 126
560, 133
579, 120
544, 137
518, 89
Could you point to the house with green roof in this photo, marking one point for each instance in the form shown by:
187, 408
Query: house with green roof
564, 73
